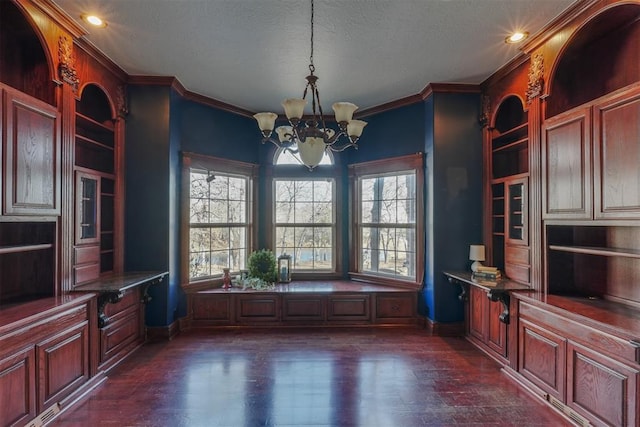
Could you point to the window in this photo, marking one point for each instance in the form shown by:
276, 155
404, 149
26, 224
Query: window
290, 156
388, 219
304, 213
218, 217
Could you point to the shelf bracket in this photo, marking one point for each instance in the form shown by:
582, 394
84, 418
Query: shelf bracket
146, 298
504, 298
464, 289
110, 297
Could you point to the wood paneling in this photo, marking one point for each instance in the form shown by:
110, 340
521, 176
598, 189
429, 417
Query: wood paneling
212, 308
601, 388
304, 308
617, 155
63, 364
349, 307
478, 313
566, 166
258, 308
542, 358
31, 154
17, 388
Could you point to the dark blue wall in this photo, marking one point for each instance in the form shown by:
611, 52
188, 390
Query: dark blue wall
454, 217
161, 124
148, 193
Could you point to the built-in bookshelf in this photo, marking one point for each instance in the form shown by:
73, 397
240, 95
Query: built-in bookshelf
95, 159
509, 173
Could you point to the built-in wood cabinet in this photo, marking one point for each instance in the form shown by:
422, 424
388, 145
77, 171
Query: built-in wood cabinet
44, 358
484, 325
30, 154
590, 157
589, 373
363, 305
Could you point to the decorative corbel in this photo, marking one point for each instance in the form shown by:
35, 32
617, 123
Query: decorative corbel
67, 63
121, 101
536, 78
485, 110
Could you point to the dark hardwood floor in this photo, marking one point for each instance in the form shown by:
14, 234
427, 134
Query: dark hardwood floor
309, 377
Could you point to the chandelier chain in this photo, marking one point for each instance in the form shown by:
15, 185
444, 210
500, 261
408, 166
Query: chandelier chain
312, 68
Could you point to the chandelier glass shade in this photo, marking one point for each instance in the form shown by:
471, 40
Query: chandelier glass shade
310, 134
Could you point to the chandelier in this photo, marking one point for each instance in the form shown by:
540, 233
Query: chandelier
309, 137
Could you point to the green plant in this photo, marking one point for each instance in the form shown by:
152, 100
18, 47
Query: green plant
262, 265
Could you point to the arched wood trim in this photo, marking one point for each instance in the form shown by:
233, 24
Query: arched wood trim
496, 107
568, 43
112, 105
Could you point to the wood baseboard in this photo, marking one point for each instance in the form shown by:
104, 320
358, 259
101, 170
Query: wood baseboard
453, 329
163, 333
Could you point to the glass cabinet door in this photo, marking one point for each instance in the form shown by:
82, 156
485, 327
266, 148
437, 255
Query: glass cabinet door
87, 208
517, 212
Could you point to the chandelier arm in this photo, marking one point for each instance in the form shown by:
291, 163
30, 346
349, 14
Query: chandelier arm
333, 148
273, 141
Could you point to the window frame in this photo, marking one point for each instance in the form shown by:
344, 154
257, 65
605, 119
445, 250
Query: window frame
222, 166
411, 163
320, 172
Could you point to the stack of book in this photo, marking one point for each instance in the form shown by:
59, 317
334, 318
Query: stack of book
487, 273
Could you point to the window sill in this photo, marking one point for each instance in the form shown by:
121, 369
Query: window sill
384, 281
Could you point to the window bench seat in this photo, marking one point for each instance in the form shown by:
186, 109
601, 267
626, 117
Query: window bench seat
304, 303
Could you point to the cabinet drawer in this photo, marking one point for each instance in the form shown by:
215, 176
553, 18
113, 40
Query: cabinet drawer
130, 299
349, 307
258, 308
307, 308
86, 273
517, 255
519, 273
87, 254
119, 333
395, 306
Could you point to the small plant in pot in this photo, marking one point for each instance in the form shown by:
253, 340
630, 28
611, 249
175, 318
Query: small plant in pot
262, 270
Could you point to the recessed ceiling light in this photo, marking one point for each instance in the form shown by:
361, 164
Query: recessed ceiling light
517, 37
94, 20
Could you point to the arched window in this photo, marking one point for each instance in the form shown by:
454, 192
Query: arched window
284, 156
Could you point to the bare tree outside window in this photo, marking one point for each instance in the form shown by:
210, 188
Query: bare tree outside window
304, 216
218, 220
388, 224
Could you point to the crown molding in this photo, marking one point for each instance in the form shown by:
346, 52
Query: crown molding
430, 89
176, 85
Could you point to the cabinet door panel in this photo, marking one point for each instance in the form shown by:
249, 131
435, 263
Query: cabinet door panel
31, 157
478, 313
17, 388
616, 157
542, 358
63, 364
566, 166
496, 330
349, 307
308, 308
601, 388
258, 308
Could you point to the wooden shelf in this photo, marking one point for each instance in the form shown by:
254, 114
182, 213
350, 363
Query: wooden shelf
510, 132
602, 251
512, 145
24, 248
94, 142
84, 121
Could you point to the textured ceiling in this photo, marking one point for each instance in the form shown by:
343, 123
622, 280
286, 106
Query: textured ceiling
254, 53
